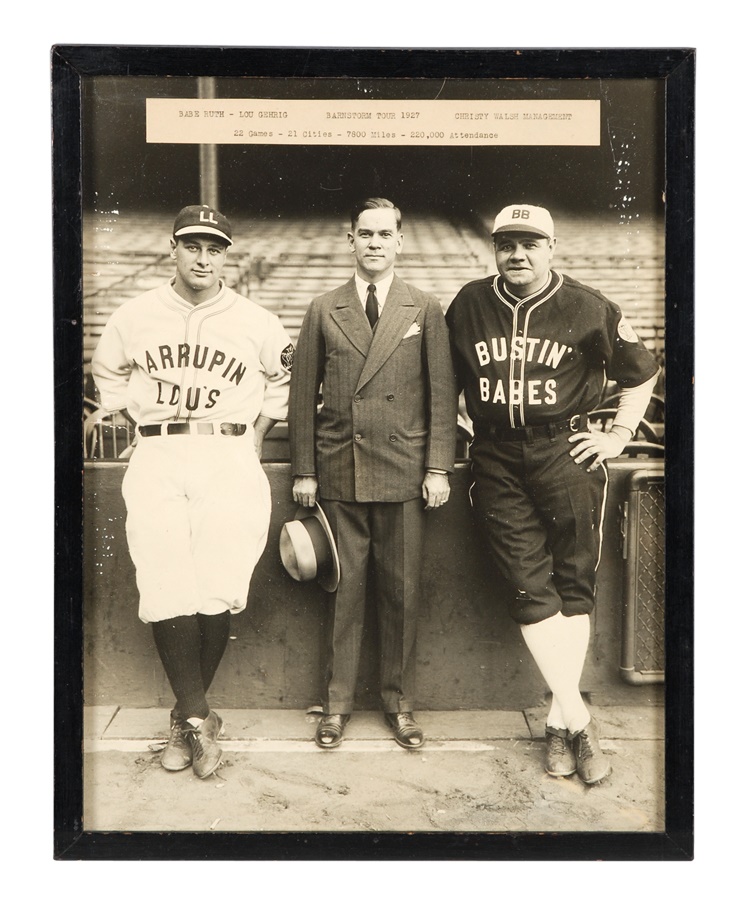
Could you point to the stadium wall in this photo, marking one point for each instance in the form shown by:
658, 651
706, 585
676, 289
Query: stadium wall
470, 653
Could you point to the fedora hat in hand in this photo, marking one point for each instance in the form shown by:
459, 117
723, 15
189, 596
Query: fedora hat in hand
308, 550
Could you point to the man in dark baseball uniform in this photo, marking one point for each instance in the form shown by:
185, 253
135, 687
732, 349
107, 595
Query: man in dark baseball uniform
377, 453
532, 350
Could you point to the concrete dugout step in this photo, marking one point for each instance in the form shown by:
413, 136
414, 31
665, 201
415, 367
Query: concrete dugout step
115, 724
616, 723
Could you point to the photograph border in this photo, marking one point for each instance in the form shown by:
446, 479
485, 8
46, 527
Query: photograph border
70, 65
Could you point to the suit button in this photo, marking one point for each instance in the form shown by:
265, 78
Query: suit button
390, 396
357, 437
393, 437
357, 399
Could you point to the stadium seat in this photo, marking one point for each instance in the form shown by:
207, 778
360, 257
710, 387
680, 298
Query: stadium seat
282, 265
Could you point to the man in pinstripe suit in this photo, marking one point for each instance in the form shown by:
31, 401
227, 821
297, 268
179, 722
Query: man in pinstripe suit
377, 453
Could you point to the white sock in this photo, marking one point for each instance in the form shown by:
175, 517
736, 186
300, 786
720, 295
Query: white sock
555, 718
559, 646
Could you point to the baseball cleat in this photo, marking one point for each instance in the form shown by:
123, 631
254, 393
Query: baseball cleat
207, 754
177, 754
560, 759
592, 765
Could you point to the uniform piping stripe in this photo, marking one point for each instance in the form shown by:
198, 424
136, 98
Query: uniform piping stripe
180, 303
199, 326
603, 512
515, 311
529, 311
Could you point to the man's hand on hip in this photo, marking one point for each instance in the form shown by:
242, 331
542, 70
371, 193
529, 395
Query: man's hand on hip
304, 491
435, 489
594, 447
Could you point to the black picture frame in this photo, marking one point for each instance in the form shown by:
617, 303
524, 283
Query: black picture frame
70, 66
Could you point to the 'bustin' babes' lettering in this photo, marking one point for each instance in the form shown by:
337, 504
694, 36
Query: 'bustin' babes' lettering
199, 357
533, 392
532, 349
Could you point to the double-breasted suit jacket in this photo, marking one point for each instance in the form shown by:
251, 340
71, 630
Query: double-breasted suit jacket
388, 413
389, 401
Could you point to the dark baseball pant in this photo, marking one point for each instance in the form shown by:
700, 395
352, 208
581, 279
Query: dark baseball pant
542, 517
389, 537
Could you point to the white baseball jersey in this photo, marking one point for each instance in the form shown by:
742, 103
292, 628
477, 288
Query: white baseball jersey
224, 360
198, 505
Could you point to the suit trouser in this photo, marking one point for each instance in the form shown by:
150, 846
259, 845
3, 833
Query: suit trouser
389, 538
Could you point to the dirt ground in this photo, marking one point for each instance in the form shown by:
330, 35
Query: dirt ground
477, 773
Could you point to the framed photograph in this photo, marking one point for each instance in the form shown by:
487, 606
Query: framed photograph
554, 188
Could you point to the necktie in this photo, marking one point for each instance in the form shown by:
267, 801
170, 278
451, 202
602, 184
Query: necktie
372, 307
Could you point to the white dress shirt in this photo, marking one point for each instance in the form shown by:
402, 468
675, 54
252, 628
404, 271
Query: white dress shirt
383, 288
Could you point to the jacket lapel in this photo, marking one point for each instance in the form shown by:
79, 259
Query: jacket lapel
351, 319
398, 315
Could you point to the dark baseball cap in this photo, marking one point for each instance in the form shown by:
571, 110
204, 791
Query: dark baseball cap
202, 220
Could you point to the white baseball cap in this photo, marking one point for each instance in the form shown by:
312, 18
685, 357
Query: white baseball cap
520, 217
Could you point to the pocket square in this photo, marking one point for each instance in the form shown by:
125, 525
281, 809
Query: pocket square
414, 329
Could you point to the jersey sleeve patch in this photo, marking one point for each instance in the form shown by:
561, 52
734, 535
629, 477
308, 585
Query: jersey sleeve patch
626, 332
287, 357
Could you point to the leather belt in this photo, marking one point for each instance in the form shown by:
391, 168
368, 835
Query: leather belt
229, 428
530, 433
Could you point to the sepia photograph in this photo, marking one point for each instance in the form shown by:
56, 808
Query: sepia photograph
370, 454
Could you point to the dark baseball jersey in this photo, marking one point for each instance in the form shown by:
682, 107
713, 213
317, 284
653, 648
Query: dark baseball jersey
542, 358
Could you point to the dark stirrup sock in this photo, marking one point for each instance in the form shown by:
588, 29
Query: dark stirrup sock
215, 632
178, 642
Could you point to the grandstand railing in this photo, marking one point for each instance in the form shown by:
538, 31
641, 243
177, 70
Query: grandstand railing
440, 254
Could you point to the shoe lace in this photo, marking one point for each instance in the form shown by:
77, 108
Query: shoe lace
585, 747
194, 736
557, 744
177, 734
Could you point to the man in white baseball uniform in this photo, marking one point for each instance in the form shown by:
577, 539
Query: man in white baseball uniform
204, 373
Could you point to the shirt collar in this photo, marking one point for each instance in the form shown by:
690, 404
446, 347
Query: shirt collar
204, 303
383, 288
518, 301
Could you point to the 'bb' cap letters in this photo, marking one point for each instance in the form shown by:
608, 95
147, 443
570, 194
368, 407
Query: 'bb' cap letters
202, 220
530, 219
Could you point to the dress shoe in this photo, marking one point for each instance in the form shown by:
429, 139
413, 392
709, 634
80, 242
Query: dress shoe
407, 731
177, 754
330, 729
207, 753
592, 765
560, 758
